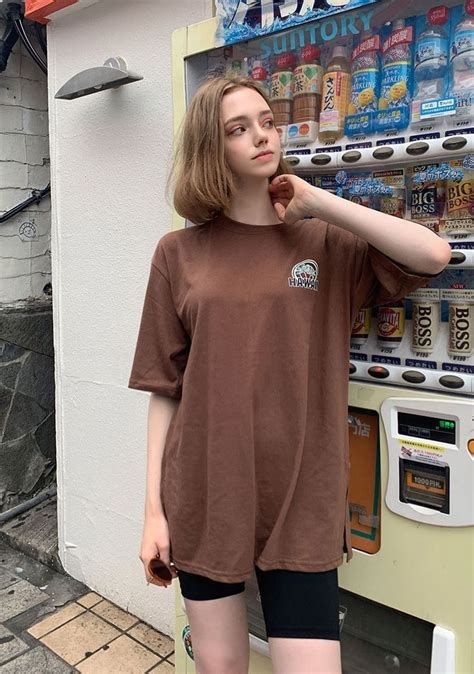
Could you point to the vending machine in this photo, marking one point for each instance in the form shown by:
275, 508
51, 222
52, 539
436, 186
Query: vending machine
374, 101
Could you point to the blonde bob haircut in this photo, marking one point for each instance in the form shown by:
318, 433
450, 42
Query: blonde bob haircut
203, 184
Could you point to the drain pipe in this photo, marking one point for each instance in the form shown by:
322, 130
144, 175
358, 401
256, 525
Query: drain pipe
27, 505
7, 42
14, 12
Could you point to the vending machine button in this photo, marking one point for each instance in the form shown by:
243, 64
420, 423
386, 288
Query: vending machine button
321, 159
378, 372
418, 147
454, 143
351, 156
470, 445
451, 381
352, 368
457, 256
414, 377
383, 152
292, 159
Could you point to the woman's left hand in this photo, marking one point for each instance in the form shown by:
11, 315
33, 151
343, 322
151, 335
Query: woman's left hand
292, 197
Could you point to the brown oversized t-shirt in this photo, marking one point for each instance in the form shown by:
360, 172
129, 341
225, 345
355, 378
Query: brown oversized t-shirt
248, 326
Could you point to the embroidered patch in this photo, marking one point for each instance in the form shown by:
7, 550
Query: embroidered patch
304, 275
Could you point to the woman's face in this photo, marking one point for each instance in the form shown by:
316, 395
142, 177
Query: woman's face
251, 141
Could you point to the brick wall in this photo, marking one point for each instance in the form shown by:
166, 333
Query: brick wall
25, 256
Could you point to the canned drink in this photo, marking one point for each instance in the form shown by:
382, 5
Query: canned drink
361, 327
425, 326
394, 204
390, 325
460, 329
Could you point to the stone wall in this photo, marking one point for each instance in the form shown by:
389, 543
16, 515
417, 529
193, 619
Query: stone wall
27, 438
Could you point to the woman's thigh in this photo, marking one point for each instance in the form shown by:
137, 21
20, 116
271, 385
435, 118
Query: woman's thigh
217, 614
297, 606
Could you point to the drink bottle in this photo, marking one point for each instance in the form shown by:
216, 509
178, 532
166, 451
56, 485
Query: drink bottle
431, 58
365, 74
259, 75
307, 84
396, 71
335, 98
281, 90
462, 64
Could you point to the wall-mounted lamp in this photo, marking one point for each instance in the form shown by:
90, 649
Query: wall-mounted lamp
111, 75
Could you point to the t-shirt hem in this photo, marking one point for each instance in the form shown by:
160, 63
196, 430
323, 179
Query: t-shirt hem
210, 573
291, 565
264, 565
160, 390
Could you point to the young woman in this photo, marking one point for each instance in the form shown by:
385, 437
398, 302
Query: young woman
244, 343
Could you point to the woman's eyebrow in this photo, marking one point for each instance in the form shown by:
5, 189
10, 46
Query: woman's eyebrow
243, 118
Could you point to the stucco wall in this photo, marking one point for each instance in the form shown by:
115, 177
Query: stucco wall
109, 158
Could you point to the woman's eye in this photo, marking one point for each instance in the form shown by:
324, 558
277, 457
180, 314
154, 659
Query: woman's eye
270, 122
233, 132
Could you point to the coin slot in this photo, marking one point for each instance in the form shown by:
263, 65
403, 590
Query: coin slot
321, 159
454, 143
457, 257
351, 156
383, 152
420, 147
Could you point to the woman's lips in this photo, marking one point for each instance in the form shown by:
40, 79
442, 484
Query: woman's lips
266, 155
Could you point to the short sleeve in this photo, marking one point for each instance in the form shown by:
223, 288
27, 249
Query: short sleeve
162, 345
378, 279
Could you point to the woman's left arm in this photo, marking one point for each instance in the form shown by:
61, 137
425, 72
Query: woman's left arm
412, 245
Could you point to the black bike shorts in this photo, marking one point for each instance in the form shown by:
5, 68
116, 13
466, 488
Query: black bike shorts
297, 604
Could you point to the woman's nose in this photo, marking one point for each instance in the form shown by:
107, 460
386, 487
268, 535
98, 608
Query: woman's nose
261, 133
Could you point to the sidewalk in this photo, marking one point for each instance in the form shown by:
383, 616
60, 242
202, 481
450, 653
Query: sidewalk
53, 624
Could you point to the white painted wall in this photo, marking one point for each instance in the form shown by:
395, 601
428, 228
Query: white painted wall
109, 158
25, 256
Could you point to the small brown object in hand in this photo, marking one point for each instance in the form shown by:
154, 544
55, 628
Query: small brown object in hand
159, 573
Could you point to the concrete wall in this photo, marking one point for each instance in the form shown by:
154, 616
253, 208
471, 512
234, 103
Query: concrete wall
109, 156
25, 267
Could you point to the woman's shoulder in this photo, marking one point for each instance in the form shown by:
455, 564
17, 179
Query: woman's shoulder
177, 242
182, 235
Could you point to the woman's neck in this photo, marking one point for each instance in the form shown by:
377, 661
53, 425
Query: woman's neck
252, 204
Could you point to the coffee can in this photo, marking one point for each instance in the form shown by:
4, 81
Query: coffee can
361, 327
425, 325
460, 329
390, 325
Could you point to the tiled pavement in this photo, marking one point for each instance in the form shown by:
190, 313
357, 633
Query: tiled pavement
52, 624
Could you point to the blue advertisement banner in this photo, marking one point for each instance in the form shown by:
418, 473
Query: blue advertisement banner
247, 19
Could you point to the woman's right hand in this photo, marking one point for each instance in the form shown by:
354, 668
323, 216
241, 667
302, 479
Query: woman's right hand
156, 540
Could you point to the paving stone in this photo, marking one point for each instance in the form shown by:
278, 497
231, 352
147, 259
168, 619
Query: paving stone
55, 620
121, 656
163, 667
160, 643
37, 661
115, 615
79, 637
18, 624
7, 578
60, 587
90, 599
10, 645
18, 598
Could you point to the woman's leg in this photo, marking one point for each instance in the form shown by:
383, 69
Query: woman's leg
217, 614
301, 611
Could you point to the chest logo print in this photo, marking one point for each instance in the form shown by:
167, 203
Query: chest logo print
304, 275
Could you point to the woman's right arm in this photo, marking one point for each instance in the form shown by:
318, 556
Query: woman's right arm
155, 531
